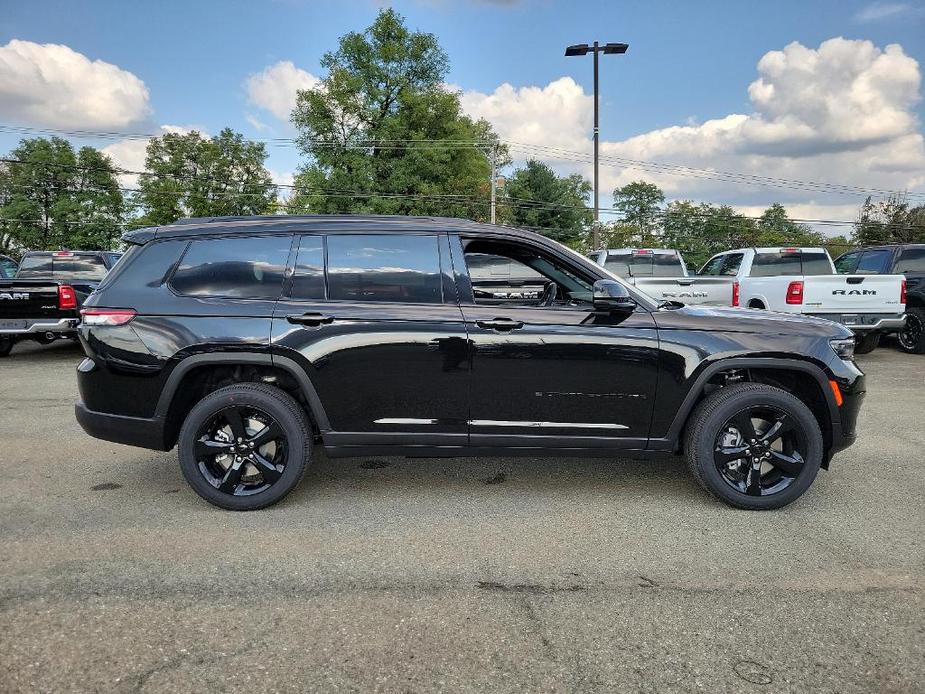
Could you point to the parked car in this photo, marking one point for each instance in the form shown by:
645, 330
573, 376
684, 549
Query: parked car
662, 274
907, 260
43, 300
8, 267
245, 342
803, 280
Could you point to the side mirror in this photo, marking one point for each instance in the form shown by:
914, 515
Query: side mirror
612, 297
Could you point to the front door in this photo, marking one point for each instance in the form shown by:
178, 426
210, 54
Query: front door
547, 372
373, 320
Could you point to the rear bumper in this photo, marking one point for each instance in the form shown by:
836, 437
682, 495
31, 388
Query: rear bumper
132, 431
865, 322
32, 326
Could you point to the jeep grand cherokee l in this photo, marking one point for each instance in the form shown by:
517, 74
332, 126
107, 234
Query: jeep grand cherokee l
246, 342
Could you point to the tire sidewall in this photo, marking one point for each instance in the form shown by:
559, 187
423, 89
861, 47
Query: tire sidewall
919, 347
709, 432
298, 441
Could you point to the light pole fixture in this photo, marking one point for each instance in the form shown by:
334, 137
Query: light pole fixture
584, 49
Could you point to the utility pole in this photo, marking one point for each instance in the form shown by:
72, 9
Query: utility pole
494, 181
583, 49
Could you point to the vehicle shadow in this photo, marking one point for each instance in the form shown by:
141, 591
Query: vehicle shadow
33, 352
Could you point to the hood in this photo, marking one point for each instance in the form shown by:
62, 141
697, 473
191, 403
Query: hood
745, 320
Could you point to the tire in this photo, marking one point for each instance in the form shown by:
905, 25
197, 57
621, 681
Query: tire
867, 343
912, 337
704, 446
212, 425
6, 346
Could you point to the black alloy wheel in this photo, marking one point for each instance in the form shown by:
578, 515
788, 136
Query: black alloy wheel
245, 446
754, 446
912, 337
241, 450
760, 451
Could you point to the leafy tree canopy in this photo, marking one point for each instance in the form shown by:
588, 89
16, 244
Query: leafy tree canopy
536, 198
188, 175
58, 198
383, 134
889, 221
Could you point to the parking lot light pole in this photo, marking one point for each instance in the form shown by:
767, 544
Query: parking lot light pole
584, 49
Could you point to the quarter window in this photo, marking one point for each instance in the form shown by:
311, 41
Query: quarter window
243, 268
386, 267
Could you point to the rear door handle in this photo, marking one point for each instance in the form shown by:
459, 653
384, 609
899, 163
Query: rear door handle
310, 319
502, 324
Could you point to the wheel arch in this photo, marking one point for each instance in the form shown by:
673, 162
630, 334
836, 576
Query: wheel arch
815, 391
193, 373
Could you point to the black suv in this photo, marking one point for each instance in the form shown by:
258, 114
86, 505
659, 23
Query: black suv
908, 260
247, 341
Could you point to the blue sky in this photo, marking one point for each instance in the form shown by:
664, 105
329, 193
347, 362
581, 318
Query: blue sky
689, 63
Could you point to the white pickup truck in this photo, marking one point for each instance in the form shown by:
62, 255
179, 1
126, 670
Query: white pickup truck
662, 274
803, 280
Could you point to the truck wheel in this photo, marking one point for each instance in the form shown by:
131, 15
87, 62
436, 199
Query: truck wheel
754, 446
245, 446
6, 345
912, 336
867, 343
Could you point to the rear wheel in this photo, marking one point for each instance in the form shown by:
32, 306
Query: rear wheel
6, 345
912, 336
867, 343
754, 446
245, 447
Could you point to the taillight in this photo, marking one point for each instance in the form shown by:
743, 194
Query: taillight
902, 293
67, 297
107, 316
735, 293
795, 292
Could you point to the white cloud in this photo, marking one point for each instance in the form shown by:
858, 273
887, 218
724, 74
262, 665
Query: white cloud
53, 85
842, 112
878, 11
275, 88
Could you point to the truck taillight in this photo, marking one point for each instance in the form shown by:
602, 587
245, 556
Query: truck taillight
902, 293
107, 316
735, 293
67, 297
795, 292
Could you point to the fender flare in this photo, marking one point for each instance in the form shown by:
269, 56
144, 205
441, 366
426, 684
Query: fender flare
217, 359
693, 394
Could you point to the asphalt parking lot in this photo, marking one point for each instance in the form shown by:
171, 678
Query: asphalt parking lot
468, 575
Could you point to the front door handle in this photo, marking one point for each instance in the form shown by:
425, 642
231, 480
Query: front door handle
502, 324
310, 319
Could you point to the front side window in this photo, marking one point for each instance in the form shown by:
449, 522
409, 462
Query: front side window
874, 262
911, 260
848, 263
384, 267
241, 268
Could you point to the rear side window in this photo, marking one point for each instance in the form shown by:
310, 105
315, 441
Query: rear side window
874, 262
911, 260
242, 268
384, 267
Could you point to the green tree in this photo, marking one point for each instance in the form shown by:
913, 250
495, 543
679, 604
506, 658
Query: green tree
535, 197
699, 231
775, 228
188, 175
383, 135
54, 197
889, 221
641, 204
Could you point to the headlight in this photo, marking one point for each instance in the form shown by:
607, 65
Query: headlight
843, 347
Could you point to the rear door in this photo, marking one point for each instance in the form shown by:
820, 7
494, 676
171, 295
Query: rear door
373, 320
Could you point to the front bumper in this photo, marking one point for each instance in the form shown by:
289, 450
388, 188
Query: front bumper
27, 326
865, 322
132, 431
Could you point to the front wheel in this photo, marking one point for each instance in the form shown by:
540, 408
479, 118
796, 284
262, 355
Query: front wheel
245, 447
912, 336
754, 446
866, 343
